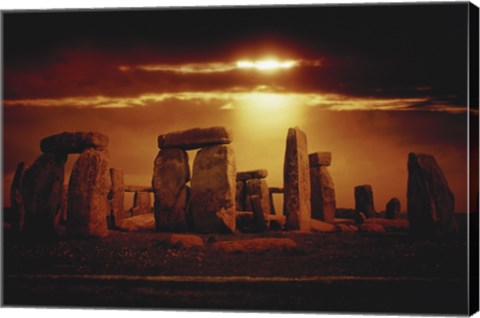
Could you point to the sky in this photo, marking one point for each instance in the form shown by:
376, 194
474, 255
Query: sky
370, 84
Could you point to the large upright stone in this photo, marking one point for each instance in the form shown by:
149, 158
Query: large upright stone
195, 138
16, 201
296, 178
88, 194
322, 194
170, 175
364, 200
240, 195
142, 204
117, 196
252, 174
392, 210
212, 202
259, 188
430, 202
42, 191
320, 159
73, 142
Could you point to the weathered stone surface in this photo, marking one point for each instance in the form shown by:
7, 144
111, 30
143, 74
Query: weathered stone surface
296, 179
240, 195
117, 196
257, 246
364, 200
322, 194
16, 201
252, 174
244, 221
392, 210
137, 188
272, 205
259, 187
391, 225
258, 213
212, 202
73, 142
317, 159
277, 222
276, 190
170, 175
195, 138
430, 202
319, 226
142, 204
371, 228
346, 228
88, 195
41, 191
139, 223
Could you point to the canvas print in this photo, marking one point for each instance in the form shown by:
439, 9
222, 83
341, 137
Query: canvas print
304, 158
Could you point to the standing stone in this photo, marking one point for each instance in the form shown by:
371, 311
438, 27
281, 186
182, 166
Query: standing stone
272, 206
430, 202
240, 196
42, 193
259, 217
141, 203
259, 188
364, 200
88, 194
117, 196
392, 210
323, 194
16, 201
296, 179
170, 175
213, 190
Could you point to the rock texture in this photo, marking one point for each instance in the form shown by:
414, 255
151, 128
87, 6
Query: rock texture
139, 223
142, 204
392, 210
320, 159
117, 196
88, 195
170, 175
430, 202
323, 200
259, 217
138, 188
240, 196
252, 174
364, 200
212, 201
16, 200
73, 142
259, 187
297, 182
42, 192
195, 138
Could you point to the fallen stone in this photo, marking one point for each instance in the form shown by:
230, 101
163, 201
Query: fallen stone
212, 201
170, 175
360, 218
16, 201
318, 159
73, 142
319, 226
137, 188
391, 225
364, 200
371, 228
88, 195
116, 196
142, 204
346, 228
183, 241
392, 209
259, 187
430, 202
139, 223
323, 203
195, 138
252, 174
257, 246
42, 192
296, 179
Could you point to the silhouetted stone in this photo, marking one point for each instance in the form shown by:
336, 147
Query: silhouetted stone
258, 213
296, 179
138, 188
317, 159
142, 204
252, 174
277, 222
322, 194
195, 138
212, 202
364, 200
276, 190
16, 201
170, 175
88, 195
117, 196
73, 142
41, 190
430, 202
240, 195
272, 206
392, 209
360, 217
259, 188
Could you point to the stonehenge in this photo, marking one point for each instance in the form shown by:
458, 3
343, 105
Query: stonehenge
364, 200
323, 203
116, 196
392, 210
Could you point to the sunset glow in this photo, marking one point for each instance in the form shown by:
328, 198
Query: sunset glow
265, 65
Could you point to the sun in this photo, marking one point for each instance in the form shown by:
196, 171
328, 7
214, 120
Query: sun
266, 65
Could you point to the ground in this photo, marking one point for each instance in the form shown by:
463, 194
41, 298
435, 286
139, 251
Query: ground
384, 272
